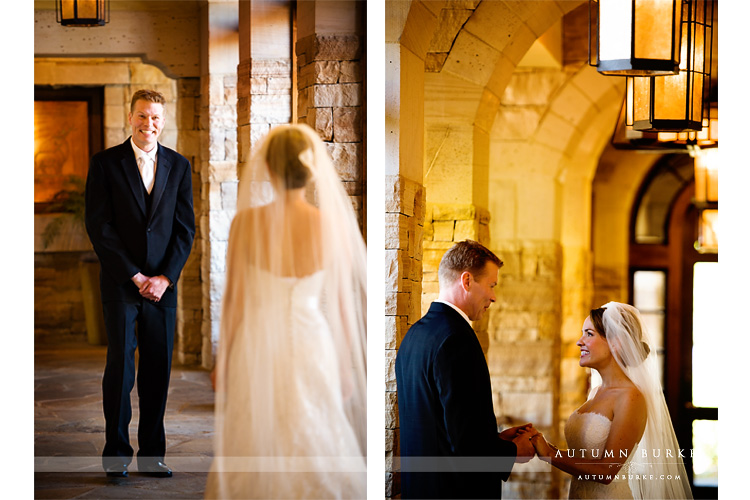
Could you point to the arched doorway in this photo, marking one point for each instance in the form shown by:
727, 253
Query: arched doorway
673, 284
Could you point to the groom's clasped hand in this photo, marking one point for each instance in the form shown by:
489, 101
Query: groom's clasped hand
529, 442
521, 436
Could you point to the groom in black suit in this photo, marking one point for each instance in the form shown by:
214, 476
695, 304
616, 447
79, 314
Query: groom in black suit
450, 447
139, 217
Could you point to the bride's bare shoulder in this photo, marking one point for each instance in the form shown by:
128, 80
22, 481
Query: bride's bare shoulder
630, 399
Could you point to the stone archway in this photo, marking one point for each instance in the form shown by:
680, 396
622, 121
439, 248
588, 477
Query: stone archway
514, 174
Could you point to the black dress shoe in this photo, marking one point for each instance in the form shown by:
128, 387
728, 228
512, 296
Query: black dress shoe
118, 470
155, 469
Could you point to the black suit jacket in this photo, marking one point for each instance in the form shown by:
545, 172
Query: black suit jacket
128, 237
445, 411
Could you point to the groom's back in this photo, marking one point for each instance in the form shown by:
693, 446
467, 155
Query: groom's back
443, 393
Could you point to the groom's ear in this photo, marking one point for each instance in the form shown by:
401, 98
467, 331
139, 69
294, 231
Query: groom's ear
465, 280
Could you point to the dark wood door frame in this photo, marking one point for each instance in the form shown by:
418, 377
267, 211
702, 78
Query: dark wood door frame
677, 257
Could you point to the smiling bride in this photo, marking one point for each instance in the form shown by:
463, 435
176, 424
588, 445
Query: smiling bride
622, 443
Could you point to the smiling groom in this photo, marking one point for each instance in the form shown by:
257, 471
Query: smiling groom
139, 217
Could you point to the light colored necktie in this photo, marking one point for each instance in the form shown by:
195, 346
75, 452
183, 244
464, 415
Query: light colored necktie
146, 167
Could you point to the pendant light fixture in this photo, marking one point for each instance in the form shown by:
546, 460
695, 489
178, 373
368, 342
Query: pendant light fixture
676, 103
707, 199
635, 37
82, 13
625, 137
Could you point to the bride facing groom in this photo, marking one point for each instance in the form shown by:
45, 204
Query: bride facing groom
622, 443
621, 440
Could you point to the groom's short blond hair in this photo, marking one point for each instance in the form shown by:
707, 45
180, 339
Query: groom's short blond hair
467, 255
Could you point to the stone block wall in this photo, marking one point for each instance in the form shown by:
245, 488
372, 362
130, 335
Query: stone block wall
445, 225
404, 229
120, 77
524, 349
190, 303
331, 100
58, 300
263, 100
218, 195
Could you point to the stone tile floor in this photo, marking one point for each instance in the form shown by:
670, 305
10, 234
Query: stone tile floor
69, 429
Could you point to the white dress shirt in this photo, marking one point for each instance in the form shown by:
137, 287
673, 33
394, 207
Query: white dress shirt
146, 165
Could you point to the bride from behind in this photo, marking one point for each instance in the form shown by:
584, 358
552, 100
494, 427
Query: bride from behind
290, 371
621, 441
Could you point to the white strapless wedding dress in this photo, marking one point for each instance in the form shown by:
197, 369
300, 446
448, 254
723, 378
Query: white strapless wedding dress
312, 436
589, 432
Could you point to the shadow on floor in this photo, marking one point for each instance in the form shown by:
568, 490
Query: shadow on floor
69, 429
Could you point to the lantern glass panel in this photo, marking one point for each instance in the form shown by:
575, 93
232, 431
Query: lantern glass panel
699, 38
87, 9
67, 9
641, 99
708, 236
653, 33
700, 14
615, 21
629, 82
697, 91
669, 97
707, 176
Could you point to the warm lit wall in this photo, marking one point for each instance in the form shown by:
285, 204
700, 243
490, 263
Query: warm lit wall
616, 185
154, 31
551, 127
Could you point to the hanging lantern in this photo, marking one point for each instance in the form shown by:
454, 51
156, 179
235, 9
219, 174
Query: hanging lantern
706, 175
708, 231
675, 103
707, 137
82, 13
707, 198
636, 37
624, 137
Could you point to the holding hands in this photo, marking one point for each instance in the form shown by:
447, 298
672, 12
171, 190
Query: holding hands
521, 437
544, 450
529, 442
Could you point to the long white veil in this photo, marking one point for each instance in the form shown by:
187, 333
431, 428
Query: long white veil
291, 366
656, 470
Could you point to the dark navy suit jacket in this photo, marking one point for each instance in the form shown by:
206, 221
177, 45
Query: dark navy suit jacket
445, 412
130, 233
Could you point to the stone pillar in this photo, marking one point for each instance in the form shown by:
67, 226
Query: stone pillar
405, 207
409, 29
188, 342
330, 49
218, 159
264, 95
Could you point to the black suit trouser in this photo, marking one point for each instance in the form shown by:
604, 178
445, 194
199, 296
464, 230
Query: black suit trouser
154, 340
